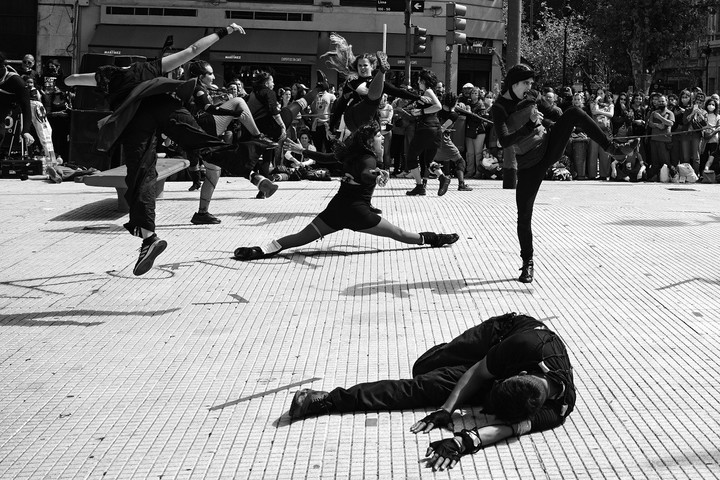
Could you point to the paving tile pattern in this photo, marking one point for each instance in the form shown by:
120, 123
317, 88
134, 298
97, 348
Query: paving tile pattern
187, 372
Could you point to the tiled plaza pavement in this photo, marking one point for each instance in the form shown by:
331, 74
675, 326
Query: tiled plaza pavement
187, 372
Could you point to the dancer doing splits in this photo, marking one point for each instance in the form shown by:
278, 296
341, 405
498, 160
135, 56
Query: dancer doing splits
359, 99
145, 102
215, 120
350, 207
521, 129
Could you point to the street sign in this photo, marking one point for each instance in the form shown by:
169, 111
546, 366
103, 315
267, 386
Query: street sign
416, 6
390, 5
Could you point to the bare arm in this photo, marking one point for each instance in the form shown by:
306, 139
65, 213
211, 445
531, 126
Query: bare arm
467, 387
171, 62
81, 80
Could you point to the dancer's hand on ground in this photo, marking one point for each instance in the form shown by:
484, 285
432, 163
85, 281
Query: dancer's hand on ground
438, 419
443, 454
237, 28
295, 147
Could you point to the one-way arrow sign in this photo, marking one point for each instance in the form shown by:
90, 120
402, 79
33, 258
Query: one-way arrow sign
417, 6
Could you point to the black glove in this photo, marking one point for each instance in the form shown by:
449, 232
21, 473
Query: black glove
440, 419
443, 454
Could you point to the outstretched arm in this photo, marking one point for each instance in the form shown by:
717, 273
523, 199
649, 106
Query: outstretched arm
81, 80
467, 387
171, 62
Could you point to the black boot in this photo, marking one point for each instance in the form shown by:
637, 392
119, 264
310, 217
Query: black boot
308, 402
195, 177
526, 272
250, 253
418, 190
438, 239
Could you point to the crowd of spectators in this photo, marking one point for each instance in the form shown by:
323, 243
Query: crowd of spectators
678, 130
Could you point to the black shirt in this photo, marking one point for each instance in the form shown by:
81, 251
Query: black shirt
532, 347
124, 80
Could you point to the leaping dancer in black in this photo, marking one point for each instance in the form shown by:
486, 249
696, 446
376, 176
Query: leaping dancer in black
145, 102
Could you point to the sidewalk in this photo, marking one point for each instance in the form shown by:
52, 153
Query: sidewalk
187, 372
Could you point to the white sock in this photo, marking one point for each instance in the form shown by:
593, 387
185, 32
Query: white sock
271, 247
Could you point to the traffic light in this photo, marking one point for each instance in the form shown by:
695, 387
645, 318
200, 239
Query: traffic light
419, 39
455, 23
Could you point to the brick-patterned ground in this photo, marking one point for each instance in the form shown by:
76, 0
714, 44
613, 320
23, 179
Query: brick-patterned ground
187, 372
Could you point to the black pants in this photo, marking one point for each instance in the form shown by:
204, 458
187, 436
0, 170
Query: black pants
426, 140
360, 113
529, 179
435, 373
165, 114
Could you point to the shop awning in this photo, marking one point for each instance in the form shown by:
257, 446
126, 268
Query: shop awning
141, 39
290, 42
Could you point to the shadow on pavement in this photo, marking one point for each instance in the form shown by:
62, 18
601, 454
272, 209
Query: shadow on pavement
402, 290
101, 210
30, 319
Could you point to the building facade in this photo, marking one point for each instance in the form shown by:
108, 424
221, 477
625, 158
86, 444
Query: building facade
287, 35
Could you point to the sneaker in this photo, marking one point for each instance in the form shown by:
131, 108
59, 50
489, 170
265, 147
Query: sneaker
260, 196
444, 184
53, 174
382, 61
375, 210
436, 240
266, 186
464, 188
151, 248
204, 218
308, 402
267, 142
527, 272
622, 149
446, 239
194, 187
418, 190
249, 253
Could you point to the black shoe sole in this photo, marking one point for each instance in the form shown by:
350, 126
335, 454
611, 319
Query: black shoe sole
146, 264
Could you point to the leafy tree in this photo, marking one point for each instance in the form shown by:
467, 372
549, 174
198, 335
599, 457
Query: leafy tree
544, 48
647, 32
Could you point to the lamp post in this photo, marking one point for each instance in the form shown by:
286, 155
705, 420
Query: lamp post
567, 11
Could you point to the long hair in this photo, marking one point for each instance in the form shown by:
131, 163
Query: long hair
429, 77
341, 57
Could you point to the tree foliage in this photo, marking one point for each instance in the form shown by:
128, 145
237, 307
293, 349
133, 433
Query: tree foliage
647, 32
545, 47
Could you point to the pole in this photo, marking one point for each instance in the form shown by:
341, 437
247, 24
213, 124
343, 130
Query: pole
408, 43
564, 80
384, 38
513, 29
448, 68
512, 59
